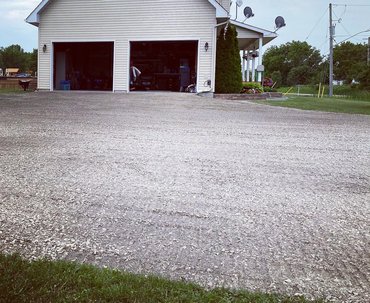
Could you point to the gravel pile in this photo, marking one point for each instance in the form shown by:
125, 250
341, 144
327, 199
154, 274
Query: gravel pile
223, 193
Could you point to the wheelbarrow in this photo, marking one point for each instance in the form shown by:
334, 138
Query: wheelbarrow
24, 84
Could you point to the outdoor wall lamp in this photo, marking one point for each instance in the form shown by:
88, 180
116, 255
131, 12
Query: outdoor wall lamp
206, 46
44, 48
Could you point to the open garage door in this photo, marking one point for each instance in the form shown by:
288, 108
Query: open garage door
83, 66
163, 65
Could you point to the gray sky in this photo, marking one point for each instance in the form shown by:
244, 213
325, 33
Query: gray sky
301, 18
309, 20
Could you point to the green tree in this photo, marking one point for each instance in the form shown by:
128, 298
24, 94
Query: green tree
349, 61
228, 70
32, 58
294, 58
1, 58
364, 78
299, 75
14, 56
276, 77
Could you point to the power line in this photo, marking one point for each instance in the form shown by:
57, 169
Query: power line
317, 23
340, 22
326, 41
364, 31
351, 4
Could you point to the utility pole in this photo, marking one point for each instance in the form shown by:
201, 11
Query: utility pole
368, 51
331, 53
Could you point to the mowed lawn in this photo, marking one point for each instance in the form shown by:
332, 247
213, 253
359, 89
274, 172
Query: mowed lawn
60, 281
337, 105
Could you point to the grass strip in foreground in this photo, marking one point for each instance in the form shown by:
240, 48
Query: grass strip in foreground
60, 281
336, 105
14, 91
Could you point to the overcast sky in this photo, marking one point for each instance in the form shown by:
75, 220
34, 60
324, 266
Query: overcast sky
306, 21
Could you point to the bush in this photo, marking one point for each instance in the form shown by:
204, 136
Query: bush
267, 89
267, 82
299, 75
228, 71
251, 88
277, 78
364, 79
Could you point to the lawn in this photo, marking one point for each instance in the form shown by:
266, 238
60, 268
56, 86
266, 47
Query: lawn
337, 105
13, 90
346, 91
59, 281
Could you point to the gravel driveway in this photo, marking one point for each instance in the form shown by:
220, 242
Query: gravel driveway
223, 193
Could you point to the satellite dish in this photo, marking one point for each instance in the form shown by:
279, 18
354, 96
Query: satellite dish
239, 3
279, 22
248, 12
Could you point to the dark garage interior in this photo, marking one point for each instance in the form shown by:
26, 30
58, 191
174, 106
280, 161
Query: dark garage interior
83, 66
164, 65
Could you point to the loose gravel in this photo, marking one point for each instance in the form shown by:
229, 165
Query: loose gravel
223, 193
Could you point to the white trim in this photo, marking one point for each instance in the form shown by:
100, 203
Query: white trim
114, 66
214, 53
260, 55
128, 65
264, 32
34, 17
248, 66
78, 41
221, 12
161, 40
38, 60
198, 67
81, 40
51, 83
243, 66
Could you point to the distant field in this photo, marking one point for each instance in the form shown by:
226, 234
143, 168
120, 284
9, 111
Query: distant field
337, 105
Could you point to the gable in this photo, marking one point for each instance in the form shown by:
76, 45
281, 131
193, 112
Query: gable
34, 17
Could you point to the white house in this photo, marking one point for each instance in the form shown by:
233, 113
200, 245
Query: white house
91, 44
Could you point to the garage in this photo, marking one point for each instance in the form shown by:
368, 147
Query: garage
83, 66
163, 65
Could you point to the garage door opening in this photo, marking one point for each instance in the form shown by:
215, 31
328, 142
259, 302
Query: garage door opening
164, 65
83, 66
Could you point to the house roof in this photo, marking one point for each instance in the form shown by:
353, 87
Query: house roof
248, 35
34, 17
264, 32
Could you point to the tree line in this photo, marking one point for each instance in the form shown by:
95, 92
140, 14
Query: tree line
15, 56
298, 62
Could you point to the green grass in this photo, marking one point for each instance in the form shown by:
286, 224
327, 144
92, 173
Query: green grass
345, 90
59, 281
337, 105
13, 91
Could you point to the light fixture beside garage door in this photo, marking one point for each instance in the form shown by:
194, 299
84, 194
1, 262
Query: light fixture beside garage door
44, 48
206, 46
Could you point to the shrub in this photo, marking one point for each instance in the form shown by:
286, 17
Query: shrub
277, 78
267, 82
251, 88
228, 71
299, 75
364, 78
267, 89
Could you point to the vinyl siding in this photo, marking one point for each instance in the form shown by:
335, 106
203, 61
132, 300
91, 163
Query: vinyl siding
125, 21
